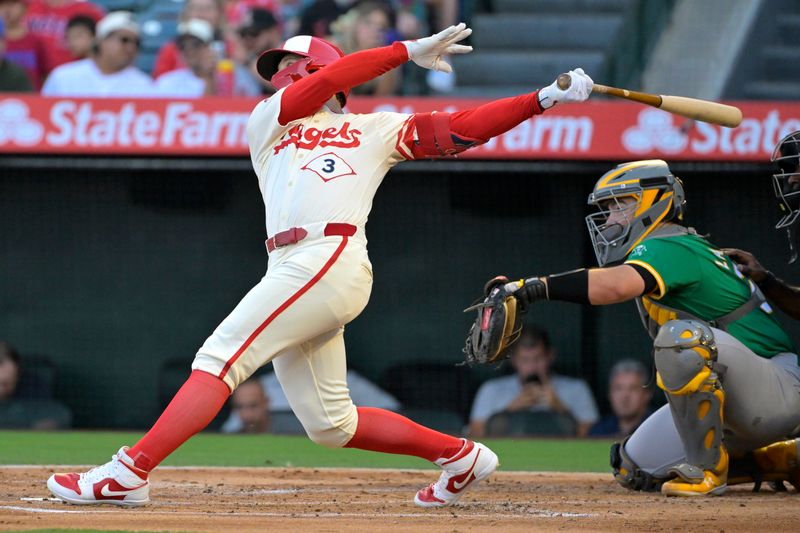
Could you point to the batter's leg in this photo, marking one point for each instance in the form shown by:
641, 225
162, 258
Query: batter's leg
313, 377
124, 480
315, 289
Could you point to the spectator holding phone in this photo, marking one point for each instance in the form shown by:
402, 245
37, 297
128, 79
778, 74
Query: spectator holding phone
629, 396
534, 387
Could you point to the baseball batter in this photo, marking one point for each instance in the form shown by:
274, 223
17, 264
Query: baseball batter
318, 169
729, 371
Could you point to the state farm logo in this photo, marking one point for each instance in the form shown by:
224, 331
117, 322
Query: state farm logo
654, 131
16, 125
144, 125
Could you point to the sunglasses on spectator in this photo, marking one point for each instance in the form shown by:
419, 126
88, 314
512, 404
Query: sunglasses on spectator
249, 33
189, 43
125, 39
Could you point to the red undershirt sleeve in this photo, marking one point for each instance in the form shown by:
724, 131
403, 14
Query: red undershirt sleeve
472, 127
305, 96
492, 119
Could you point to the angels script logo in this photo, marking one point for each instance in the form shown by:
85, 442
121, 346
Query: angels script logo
310, 138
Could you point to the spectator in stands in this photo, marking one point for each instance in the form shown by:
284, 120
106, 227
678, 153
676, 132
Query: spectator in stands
250, 404
80, 36
416, 18
317, 18
630, 398
48, 20
362, 391
23, 411
259, 32
9, 371
204, 74
110, 70
368, 25
435, 15
236, 10
212, 11
12, 77
533, 387
23, 47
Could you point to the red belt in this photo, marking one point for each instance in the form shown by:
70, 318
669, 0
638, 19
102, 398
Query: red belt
295, 235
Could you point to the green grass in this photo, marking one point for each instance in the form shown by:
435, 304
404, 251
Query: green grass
90, 448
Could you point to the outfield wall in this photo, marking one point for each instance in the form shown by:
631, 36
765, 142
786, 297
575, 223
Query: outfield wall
114, 267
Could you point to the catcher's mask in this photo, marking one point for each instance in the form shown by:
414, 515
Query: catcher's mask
616, 228
786, 184
316, 53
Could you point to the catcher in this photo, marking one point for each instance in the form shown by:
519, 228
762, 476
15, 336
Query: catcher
728, 369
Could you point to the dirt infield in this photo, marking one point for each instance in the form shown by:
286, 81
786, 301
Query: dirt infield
303, 499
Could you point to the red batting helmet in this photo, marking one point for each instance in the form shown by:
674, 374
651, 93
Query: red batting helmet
317, 52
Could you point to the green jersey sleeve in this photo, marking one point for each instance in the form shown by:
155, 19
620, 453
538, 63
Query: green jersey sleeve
673, 265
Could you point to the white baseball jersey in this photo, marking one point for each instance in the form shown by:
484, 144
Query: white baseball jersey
322, 168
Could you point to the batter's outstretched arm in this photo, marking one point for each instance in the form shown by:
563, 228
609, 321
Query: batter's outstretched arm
441, 134
494, 118
307, 95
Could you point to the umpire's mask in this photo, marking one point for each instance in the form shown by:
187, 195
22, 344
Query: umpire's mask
786, 183
620, 224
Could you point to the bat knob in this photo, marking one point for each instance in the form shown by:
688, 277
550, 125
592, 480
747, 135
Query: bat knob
563, 81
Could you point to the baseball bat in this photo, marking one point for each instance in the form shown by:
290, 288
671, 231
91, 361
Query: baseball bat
694, 108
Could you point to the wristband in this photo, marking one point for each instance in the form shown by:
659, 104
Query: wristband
769, 279
572, 286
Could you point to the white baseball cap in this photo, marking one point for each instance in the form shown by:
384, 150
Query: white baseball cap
197, 28
115, 21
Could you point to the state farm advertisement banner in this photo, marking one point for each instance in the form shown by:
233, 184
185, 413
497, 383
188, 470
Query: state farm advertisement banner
603, 130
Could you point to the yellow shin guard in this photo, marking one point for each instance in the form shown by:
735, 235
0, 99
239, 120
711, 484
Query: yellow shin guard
685, 357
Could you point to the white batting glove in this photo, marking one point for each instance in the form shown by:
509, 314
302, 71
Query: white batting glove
428, 52
578, 91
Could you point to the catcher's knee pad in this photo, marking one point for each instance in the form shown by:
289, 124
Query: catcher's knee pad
685, 358
628, 474
335, 428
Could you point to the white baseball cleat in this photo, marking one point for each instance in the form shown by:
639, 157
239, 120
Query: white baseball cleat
117, 482
472, 464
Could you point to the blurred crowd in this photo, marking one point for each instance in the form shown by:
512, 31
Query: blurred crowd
529, 399
75, 48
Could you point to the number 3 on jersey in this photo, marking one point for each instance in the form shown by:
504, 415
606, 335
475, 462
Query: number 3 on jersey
329, 166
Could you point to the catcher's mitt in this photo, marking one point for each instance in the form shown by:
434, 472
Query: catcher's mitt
497, 325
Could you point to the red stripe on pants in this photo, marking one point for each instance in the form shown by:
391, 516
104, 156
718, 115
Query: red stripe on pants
327, 266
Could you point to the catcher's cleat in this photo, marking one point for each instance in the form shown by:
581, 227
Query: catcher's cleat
780, 458
472, 464
117, 482
775, 463
691, 481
